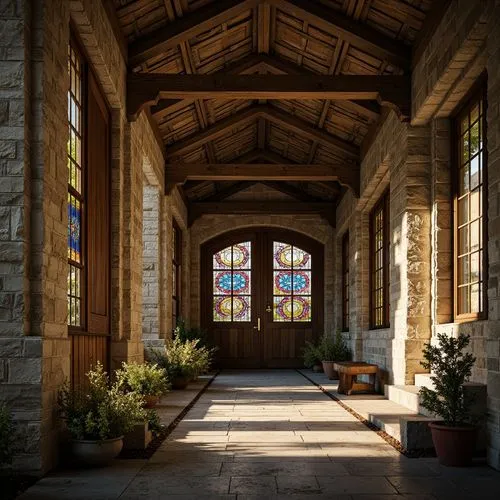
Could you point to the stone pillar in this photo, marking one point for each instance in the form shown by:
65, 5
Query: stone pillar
151, 285
410, 254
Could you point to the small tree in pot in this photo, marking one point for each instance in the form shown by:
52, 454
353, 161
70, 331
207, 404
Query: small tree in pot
455, 437
312, 357
332, 350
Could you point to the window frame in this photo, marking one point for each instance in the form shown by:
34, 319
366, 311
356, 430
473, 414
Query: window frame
176, 269
76, 47
476, 93
382, 205
345, 281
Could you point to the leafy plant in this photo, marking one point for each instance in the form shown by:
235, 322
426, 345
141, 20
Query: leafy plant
146, 379
333, 349
311, 355
184, 333
6, 430
100, 411
452, 368
154, 423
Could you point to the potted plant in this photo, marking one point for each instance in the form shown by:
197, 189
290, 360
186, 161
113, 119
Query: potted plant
312, 357
332, 350
455, 436
98, 416
146, 379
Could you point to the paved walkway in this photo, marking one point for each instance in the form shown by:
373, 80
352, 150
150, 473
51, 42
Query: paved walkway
272, 434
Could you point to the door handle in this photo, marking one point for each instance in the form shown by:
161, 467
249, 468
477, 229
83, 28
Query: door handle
258, 325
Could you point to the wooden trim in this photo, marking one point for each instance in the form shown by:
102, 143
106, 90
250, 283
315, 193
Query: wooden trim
383, 205
177, 265
478, 90
146, 89
345, 282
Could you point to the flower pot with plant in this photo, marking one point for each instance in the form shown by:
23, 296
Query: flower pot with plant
98, 416
312, 357
146, 379
332, 350
455, 436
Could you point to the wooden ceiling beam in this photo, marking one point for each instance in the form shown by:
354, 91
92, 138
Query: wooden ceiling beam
290, 190
359, 34
145, 89
178, 173
274, 115
228, 191
185, 28
325, 209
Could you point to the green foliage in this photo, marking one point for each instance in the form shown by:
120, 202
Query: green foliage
184, 333
146, 379
183, 358
154, 423
452, 368
333, 349
6, 430
100, 411
311, 355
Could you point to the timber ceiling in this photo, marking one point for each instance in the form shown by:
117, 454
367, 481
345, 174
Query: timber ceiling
274, 37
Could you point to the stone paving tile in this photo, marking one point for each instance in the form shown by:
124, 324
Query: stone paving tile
256, 485
292, 485
356, 485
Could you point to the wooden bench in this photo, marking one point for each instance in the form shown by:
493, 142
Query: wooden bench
348, 373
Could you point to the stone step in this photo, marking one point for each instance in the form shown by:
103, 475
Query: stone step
407, 396
424, 380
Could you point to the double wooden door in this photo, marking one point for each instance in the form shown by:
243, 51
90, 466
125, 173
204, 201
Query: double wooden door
262, 297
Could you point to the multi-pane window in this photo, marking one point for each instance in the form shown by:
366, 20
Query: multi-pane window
345, 282
76, 194
470, 200
379, 264
232, 288
176, 273
292, 283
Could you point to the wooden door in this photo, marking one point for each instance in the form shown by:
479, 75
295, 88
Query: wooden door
262, 297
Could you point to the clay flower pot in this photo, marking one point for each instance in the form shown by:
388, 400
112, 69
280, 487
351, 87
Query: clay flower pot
329, 371
180, 382
97, 453
454, 445
151, 401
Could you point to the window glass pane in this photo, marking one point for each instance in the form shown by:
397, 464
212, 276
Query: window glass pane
282, 309
301, 259
474, 235
463, 270
463, 210
241, 282
474, 139
302, 308
242, 256
463, 240
222, 283
222, 308
282, 256
74, 229
475, 204
475, 176
475, 298
241, 308
222, 259
282, 282
463, 180
302, 282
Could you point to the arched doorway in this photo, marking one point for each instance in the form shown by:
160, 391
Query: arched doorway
262, 296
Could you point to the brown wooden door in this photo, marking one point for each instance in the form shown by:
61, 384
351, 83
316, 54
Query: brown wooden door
262, 297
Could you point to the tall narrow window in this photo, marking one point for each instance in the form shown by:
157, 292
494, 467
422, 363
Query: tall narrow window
345, 282
76, 194
470, 210
232, 288
292, 283
176, 273
379, 264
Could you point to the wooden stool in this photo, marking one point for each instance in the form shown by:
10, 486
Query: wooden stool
348, 373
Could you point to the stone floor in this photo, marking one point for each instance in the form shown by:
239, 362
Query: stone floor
271, 434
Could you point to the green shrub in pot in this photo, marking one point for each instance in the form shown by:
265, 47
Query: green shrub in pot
332, 350
98, 415
149, 380
311, 355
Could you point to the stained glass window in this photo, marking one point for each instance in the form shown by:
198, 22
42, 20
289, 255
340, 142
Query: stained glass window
291, 283
75, 185
470, 221
232, 287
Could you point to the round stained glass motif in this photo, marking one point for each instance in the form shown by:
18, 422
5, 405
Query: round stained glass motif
223, 307
240, 256
301, 308
240, 307
283, 282
239, 282
287, 256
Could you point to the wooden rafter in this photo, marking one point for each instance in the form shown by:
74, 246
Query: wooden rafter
345, 174
144, 89
185, 28
226, 192
291, 190
325, 209
274, 115
362, 35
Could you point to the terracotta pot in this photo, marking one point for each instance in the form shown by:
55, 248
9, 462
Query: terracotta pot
317, 368
454, 445
180, 382
329, 371
151, 401
97, 453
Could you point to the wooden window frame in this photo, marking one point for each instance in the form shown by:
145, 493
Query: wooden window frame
176, 270
345, 282
382, 205
76, 47
477, 92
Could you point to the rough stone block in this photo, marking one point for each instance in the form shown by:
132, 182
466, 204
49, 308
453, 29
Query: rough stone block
138, 438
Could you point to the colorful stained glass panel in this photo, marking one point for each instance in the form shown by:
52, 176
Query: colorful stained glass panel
282, 282
241, 282
302, 308
301, 259
282, 255
242, 255
282, 309
222, 308
223, 259
241, 308
74, 229
222, 283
